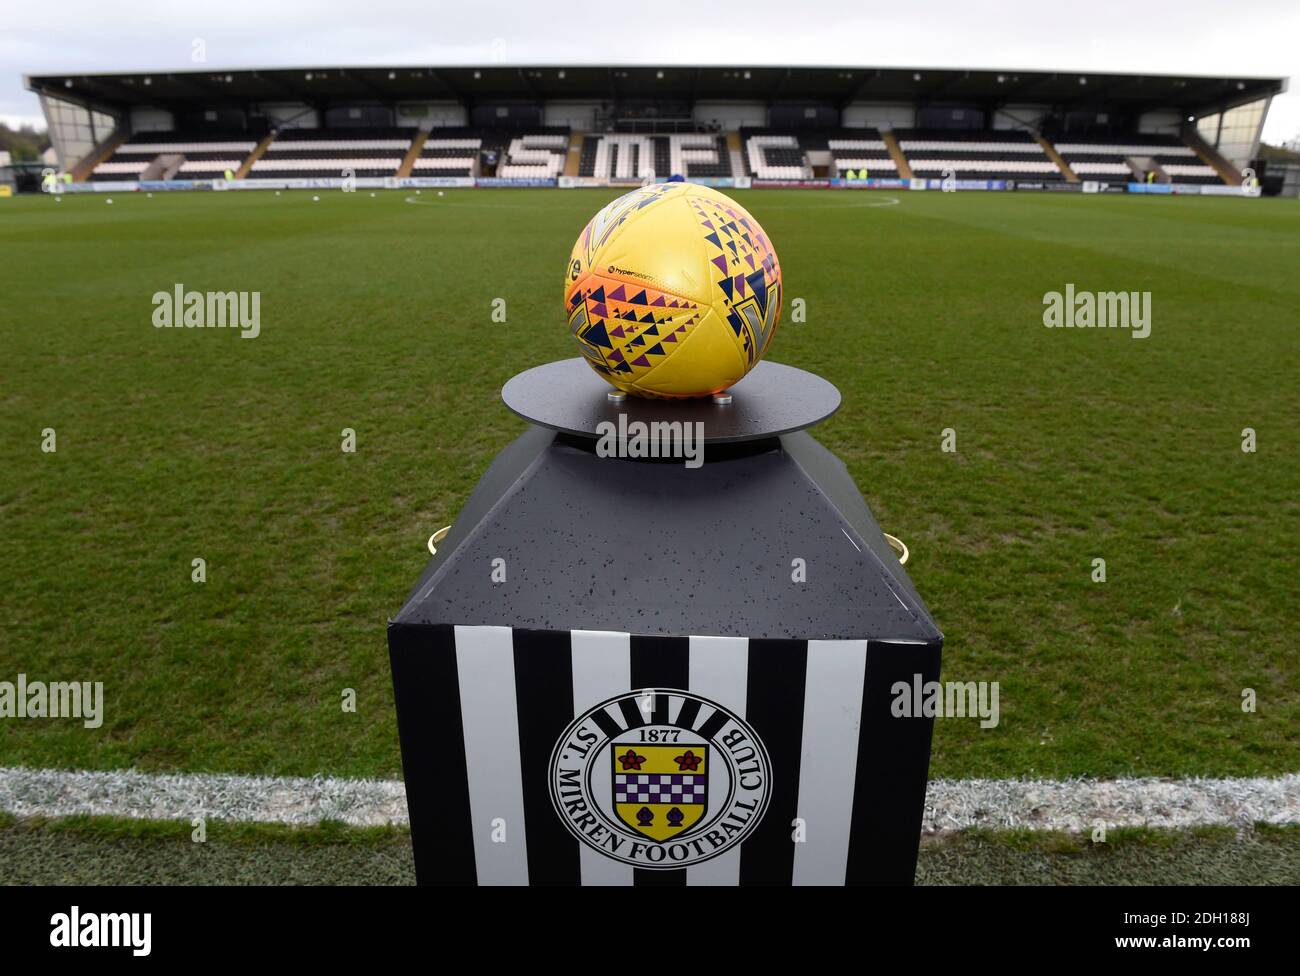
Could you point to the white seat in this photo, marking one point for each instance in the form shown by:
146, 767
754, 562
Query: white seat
156, 148
335, 145
1100, 169
959, 166
868, 164
1101, 149
326, 164
443, 162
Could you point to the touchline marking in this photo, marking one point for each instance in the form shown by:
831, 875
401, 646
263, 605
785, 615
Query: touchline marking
838, 204
183, 796
1071, 804
473, 204
1083, 804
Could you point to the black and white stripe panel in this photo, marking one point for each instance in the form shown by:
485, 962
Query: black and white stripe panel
477, 760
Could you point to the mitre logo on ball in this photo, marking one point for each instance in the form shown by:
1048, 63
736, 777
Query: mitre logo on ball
673, 290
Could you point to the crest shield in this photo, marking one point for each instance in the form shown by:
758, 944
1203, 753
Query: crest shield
660, 791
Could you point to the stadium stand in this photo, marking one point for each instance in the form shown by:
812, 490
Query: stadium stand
449, 152
799, 125
630, 156
697, 155
535, 156
856, 150
789, 155
299, 153
541, 154
773, 155
175, 155
623, 156
1126, 157
1000, 154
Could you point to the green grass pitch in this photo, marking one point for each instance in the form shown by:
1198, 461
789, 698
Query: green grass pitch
377, 315
103, 850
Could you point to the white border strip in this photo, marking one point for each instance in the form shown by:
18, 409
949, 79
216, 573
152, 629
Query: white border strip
718, 669
485, 665
602, 668
1074, 805
832, 716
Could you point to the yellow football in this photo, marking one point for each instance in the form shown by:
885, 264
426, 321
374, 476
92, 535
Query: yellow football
673, 290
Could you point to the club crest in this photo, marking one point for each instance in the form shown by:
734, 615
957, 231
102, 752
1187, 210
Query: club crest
660, 778
656, 793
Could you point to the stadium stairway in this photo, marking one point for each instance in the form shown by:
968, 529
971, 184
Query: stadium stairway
1070, 175
735, 154
573, 161
86, 165
254, 156
164, 167
1143, 165
896, 154
1211, 157
412, 154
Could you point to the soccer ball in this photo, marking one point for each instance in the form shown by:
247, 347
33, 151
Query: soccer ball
673, 290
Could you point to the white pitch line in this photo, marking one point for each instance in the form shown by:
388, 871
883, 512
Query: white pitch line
473, 204
183, 796
839, 204
1083, 804
1073, 805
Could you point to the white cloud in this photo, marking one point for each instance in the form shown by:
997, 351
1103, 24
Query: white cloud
1196, 36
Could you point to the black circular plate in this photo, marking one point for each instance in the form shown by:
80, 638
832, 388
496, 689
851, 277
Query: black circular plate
772, 399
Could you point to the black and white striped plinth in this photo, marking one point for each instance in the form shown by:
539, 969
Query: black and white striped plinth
619, 672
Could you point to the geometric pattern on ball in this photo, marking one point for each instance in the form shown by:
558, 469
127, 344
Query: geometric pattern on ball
673, 290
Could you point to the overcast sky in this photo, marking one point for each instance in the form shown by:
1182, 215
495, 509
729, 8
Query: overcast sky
1193, 36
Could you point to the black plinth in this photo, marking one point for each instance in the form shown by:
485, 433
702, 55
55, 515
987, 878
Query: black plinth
748, 611
771, 400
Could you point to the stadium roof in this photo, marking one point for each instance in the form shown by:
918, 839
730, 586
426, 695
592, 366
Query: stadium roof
337, 85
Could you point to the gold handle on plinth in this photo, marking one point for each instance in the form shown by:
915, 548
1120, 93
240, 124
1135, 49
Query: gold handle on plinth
898, 546
438, 537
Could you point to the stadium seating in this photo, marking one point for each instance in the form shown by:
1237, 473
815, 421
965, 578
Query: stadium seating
855, 150
325, 153
201, 156
774, 156
1180, 170
696, 155
1123, 157
630, 156
1000, 154
541, 153
535, 156
622, 156
449, 152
